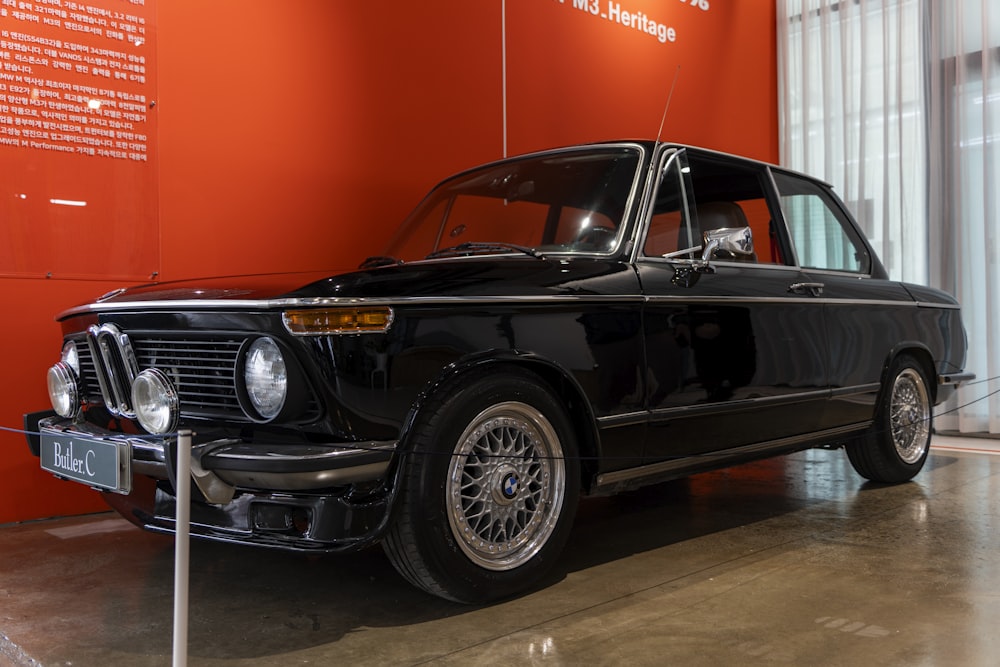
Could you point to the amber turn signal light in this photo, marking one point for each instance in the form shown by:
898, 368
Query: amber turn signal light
321, 322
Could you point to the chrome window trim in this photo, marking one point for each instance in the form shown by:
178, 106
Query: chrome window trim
833, 272
658, 163
625, 225
676, 261
785, 231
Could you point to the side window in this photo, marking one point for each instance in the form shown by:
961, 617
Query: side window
823, 236
668, 228
732, 194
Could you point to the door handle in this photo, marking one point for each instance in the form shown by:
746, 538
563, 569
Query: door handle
812, 289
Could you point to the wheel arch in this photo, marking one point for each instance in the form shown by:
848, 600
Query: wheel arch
922, 354
557, 379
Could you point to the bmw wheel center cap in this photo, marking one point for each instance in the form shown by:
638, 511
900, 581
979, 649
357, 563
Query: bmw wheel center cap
505, 484
510, 485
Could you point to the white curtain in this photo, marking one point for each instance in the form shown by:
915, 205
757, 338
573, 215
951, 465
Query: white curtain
897, 104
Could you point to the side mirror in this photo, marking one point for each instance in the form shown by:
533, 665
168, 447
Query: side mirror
737, 241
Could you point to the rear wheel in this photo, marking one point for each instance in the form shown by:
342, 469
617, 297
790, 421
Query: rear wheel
896, 447
489, 491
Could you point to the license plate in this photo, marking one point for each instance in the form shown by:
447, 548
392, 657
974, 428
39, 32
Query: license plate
103, 464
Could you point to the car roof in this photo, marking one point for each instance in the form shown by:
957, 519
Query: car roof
647, 145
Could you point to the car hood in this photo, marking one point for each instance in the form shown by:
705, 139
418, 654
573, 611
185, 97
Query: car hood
248, 287
460, 277
470, 277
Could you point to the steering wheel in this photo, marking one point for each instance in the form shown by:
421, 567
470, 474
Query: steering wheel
595, 238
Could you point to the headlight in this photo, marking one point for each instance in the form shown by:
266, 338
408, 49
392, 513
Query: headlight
266, 378
155, 402
63, 390
71, 357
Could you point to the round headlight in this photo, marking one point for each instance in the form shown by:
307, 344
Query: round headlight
71, 357
266, 377
63, 391
155, 402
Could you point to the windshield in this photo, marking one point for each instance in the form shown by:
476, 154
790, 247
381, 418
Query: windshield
559, 202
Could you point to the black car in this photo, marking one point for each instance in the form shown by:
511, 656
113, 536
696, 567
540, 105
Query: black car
577, 321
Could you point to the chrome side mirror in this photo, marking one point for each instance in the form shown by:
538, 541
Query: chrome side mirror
737, 241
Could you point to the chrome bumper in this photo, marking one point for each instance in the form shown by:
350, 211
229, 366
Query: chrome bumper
948, 384
955, 379
220, 465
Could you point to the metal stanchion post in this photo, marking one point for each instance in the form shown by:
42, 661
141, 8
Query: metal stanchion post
182, 548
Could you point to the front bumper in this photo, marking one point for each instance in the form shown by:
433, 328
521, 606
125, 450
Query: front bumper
258, 466
302, 496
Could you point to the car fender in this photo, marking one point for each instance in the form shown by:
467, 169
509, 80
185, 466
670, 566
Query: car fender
918, 350
558, 380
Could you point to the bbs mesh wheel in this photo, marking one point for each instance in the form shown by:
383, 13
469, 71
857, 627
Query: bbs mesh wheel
896, 447
489, 491
505, 486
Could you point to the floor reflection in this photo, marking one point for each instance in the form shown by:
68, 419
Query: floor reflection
792, 560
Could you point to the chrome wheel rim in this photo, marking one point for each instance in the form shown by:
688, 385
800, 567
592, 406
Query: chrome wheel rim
910, 416
505, 487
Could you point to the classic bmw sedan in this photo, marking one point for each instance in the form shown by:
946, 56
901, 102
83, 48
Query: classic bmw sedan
576, 321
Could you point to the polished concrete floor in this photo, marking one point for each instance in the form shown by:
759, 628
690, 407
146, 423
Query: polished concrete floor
793, 560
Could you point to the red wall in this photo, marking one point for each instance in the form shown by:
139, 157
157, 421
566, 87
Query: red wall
575, 77
295, 135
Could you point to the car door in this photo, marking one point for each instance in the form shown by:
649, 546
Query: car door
735, 349
866, 314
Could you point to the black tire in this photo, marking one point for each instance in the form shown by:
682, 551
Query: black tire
895, 448
489, 490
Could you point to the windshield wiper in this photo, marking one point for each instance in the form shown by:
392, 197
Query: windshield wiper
379, 260
474, 247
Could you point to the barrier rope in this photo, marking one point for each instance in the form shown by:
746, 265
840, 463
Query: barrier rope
362, 447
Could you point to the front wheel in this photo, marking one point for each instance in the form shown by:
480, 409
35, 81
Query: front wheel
896, 447
489, 490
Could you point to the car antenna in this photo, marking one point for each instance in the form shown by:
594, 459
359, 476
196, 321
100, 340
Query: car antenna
670, 96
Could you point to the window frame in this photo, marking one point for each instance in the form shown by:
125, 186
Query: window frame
852, 231
689, 198
662, 161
